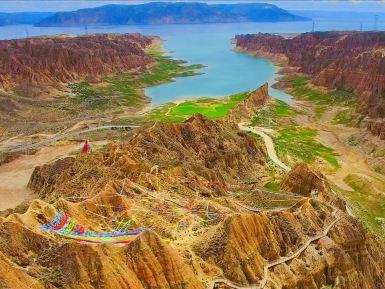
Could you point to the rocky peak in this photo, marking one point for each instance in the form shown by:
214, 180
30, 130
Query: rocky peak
197, 148
253, 102
302, 180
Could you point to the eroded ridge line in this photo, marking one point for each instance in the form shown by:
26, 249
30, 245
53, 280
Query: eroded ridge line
262, 283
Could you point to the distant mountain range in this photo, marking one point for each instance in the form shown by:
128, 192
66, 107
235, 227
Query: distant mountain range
23, 17
171, 13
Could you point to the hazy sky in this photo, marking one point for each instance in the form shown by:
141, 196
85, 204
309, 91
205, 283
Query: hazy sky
17, 6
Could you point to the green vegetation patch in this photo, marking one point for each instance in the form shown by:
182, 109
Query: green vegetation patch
340, 96
270, 115
348, 117
301, 143
211, 107
126, 89
273, 185
292, 139
368, 201
166, 70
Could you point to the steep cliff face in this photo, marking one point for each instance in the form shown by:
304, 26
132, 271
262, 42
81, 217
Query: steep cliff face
44, 176
302, 180
353, 61
248, 243
305, 181
245, 245
246, 109
32, 65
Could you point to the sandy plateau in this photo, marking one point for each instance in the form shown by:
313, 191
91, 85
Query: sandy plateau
15, 175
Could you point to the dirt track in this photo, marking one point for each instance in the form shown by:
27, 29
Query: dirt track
15, 175
268, 143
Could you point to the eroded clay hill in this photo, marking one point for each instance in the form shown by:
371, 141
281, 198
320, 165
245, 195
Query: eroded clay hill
353, 61
31, 66
183, 202
199, 149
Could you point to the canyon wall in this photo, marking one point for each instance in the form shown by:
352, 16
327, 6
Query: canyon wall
31, 66
352, 61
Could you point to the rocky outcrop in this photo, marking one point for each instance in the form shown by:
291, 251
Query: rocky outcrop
247, 243
34, 65
302, 180
253, 102
44, 176
307, 182
353, 61
158, 265
31, 259
377, 127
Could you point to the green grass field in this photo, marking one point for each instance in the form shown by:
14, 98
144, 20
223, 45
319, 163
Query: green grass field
348, 117
126, 89
301, 143
368, 201
339, 97
301, 90
293, 140
213, 108
273, 185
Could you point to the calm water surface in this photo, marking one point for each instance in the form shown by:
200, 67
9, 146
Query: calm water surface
227, 71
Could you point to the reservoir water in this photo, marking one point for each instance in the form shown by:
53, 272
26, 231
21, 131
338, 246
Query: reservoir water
227, 71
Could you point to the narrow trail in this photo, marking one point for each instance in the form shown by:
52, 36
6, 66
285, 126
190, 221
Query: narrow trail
39, 144
277, 209
176, 104
262, 283
268, 143
153, 194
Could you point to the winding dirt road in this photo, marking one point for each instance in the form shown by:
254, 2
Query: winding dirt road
26, 147
268, 143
